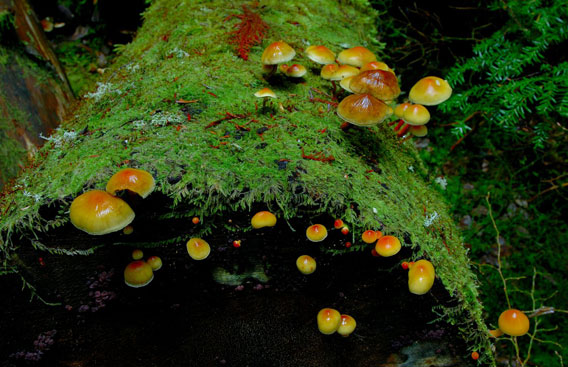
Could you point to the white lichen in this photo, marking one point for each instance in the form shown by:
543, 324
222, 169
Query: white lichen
36, 197
442, 182
430, 219
179, 53
60, 137
165, 118
102, 90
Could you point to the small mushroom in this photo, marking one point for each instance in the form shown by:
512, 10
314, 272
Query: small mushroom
388, 246
430, 91
421, 277
265, 93
263, 219
344, 71
320, 54
306, 264
277, 53
137, 254
363, 109
316, 233
328, 320
198, 249
369, 236
328, 70
416, 115
380, 84
514, 322
346, 326
356, 56
296, 71
138, 274
155, 262
97, 212
132, 179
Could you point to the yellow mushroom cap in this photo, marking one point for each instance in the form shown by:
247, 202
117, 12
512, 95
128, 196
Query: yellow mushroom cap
198, 249
399, 110
132, 179
416, 115
514, 322
155, 262
306, 264
369, 236
265, 92
328, 320
263, 219
356, 56
344, 71
320, 54
379, 83
346, 326
98, 212
388, 246
344, 83
363, 110
328, 70
137, 254
296, 71
374, 65
138, 274
316, 233
430, 91
421, 277
277, 52
419, 131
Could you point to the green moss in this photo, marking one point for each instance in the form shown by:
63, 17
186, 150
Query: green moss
181, 52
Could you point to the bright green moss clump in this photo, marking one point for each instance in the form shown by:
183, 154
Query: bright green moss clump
253, 154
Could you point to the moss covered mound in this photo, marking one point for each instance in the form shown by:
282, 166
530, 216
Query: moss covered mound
180, 103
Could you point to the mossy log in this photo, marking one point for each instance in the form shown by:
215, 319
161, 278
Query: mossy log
180, 103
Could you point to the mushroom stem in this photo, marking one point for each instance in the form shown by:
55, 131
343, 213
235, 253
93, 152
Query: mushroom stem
403, 131
399, 125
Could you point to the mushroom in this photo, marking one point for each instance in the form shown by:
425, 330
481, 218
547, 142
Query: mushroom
421, 277
277, 53
430, 91
198, 249
379, 83
320, 54
399, 110
514, 322
296, 71
306, 264
356, 56
155, 262
346, 325
328, 70
419, 131
263, 219
98, 212
132, 179
128, 230
344, 83
363, 109
344, 71
316, 233
376, 65
337, 224
369, 236
264, 93
416, 115
138, 274
137, 254
328, 320
388, 246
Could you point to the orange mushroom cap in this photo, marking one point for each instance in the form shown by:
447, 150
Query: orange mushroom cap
369, 236
277, 52
363, 110
328, 320
263, 219
306, 264
379, 83
374, 65
399, 110
328, 70
416, 115
265, 92
430, 91
296, 71
132, 179
343, 71
338, 223
388, 246
98, 212
356, 56
421, 277
514, 322
346, 326
316, 233
419, 131
198, 249
155, 262
320, 54
138, 274
137, 254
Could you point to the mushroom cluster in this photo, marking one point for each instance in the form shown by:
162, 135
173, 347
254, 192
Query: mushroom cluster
140, 273
329, 321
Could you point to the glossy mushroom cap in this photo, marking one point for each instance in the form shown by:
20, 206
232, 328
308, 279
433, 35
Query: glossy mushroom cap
363, 110
337, 224
328, 70
430, 91
514, 322
306, 264
419, 131
138, 274
344, 71
388, 246
198, 249
132, 179
376, 65
277, 52
98, 212
421, 277
344, 83
296, 71
263, 219
356, 56
346, 326
369, 236
316, 233
320, 54
380, 84
265, 92
155, 262
416, 115
399, 109
137, 254
328, 320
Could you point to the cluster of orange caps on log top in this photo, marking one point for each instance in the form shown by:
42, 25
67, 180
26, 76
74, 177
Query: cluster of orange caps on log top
374, 84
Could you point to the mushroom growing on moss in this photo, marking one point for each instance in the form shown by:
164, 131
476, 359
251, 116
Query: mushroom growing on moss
388, 246
131, 179
416, 115
263, 219
356, 56
277, 53
380, 84
138, 274
363, 110
316, 233
198, 249
320, 54
98, 212
328, 320
296, 71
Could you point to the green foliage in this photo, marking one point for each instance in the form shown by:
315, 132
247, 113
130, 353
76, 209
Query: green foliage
517, 79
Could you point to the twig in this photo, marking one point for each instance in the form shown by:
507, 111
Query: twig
499, 265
